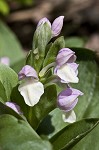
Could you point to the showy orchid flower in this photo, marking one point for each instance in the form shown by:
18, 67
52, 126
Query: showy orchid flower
56, 26
31, 89
65, 68
14, 106
5, 60
66, 102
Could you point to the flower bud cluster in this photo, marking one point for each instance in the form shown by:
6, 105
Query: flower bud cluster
56, 25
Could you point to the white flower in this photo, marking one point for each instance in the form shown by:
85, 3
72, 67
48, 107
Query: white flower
31, 89
67, 73
66, 101
65, 68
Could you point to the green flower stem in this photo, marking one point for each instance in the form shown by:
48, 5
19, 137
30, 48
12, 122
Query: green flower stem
45, 69
30, 116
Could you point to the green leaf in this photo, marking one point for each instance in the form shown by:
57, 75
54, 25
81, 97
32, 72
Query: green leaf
53, 51
72, 134
41, 38
88, 84
88, 104
9, 80
46, 104
9, 44
30, 59
74, 42
91, 141
4, 8
2, 93
47, 48
51, 124
16, 134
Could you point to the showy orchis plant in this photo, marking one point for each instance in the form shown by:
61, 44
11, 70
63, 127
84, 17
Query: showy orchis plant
40, 107
40, 98
47, 65
47, 62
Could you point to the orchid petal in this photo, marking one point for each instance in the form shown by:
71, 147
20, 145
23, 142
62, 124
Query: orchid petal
74, 66
65, 55
67, 74
69, 117
67, 99
31, 90
67, 104
14, 106
27, 71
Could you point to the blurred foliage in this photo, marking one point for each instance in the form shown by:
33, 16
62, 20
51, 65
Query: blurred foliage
25, 2
5, 5
74, 41
9, 44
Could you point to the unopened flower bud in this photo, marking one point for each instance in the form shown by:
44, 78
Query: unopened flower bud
57, 26
44, 20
